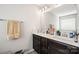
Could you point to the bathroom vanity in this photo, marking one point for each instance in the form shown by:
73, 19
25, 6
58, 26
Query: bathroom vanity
50, 44
61, 21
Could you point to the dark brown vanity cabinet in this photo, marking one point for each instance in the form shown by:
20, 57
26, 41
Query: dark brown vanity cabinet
44, 45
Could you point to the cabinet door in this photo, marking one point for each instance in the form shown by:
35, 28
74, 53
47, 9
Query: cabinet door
36, 43
73, 49
56, 48
43, 45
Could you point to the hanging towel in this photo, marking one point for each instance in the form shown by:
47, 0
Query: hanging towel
13, 29
10, 29
17, 29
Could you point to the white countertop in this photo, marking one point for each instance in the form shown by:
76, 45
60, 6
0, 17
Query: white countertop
59, 38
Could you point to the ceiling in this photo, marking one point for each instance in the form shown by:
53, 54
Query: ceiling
57, 9
45, 7
65, 9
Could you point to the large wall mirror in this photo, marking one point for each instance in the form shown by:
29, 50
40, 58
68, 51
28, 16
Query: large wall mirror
64, 18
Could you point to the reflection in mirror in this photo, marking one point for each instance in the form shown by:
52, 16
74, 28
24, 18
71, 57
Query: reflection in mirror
64, 18
68, 25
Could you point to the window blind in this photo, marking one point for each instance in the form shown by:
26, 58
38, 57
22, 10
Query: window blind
68, 22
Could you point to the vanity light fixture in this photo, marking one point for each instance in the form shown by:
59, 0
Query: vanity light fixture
47, 7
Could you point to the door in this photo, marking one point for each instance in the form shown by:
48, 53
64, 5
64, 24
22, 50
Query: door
43, 45
36, 43
56, 47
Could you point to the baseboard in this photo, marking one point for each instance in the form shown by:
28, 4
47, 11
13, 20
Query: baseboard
29, 51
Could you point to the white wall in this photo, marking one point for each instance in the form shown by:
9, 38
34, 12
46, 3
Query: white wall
26, 13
